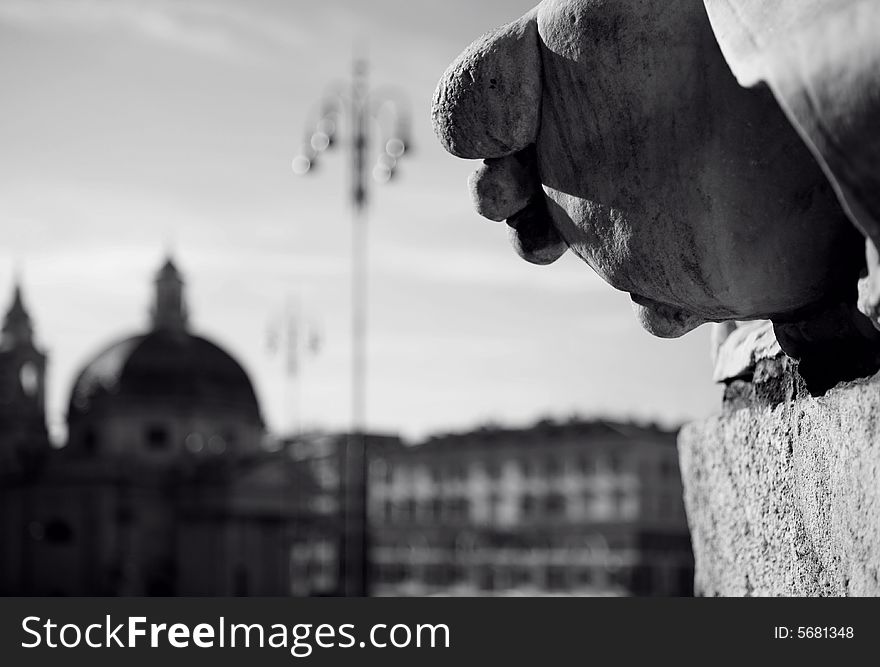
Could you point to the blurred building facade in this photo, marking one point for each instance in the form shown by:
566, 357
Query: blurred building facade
164, 486
584, 507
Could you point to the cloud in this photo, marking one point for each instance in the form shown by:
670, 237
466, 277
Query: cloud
210, 28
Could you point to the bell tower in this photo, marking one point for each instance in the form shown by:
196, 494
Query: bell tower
22, 384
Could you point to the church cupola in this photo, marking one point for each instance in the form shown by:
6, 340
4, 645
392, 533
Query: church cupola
169, 308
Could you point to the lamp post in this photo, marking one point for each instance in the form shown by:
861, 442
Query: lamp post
361, 111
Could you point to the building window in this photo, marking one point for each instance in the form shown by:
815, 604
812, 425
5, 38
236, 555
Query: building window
90, 440
556, 578
522, 576
615, 463
486, 579
157, 437
494, 508
619, 500
527, 506
456, 509
58, 531
586, 465
589, 501
554, 505
464, 509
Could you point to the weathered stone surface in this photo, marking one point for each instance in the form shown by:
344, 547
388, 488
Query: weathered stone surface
490, 103
699, 194
774, 380
744, 346
676, 184
503, 187
533, 236
821, 58
786, 501
751, 365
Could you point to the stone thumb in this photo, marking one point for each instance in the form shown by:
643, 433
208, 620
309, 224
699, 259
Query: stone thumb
488, 103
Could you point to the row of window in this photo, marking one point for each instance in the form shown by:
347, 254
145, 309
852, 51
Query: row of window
641, 579
552, 506
552, 578
157, 438
549, 467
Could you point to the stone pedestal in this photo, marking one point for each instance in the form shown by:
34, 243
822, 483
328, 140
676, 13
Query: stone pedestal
785, 500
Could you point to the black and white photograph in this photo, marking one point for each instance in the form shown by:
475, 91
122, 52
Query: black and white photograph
386, 299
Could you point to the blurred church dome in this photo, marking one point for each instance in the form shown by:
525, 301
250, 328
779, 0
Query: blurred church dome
184, 370
164, 392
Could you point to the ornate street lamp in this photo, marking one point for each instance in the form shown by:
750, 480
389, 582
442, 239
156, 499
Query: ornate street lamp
361, 112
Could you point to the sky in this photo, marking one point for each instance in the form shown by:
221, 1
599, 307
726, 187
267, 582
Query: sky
134, 128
